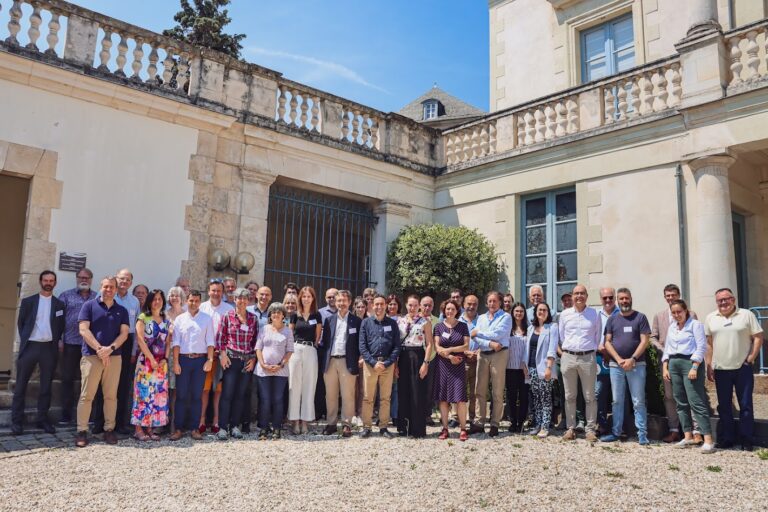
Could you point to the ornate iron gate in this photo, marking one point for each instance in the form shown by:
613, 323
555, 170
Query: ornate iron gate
317, 240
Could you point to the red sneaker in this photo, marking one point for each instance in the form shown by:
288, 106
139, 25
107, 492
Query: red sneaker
443, 435
463, 436
215, 429
201, 429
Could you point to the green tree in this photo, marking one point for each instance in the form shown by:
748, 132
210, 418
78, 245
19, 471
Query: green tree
203, 25
435, 258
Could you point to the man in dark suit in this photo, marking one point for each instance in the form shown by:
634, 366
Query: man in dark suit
41, 325
341, 348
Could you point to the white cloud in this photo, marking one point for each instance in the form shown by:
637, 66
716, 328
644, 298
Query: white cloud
320, 69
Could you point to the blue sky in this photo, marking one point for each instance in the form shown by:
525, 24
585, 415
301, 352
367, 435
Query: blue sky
380, 53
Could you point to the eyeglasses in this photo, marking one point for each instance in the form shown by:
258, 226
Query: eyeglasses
216, 280
725, 301
84, 277
608, 297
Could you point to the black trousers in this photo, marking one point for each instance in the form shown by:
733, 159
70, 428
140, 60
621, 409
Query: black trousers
69, 368
247, 415
125, 386
44, 355
233, 397
412, 395
320, 409
517, 398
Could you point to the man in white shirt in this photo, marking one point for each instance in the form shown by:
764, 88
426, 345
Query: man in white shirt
580, 334
193, 342
216, 308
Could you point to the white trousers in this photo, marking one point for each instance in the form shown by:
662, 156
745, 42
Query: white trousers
302, 380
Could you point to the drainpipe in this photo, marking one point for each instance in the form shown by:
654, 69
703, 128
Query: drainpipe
679, 185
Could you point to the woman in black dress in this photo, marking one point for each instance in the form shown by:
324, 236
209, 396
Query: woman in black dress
307, 326
450, 385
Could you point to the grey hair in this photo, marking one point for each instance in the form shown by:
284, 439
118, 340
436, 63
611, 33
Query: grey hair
178, 290
241, 292
274, 307
624, 290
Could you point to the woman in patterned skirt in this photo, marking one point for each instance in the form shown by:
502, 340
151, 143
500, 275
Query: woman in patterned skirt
150, 387
450, 384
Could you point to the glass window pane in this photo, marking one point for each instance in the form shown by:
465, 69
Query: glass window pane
536, 240
565, 206
623, 34
625, 59
536, 269
566, 236
566, 267
596, 70
594, 44
536, 211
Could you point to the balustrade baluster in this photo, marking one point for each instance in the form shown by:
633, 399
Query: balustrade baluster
634, 93
660, 90
475, 143
366, 133
530, 128
520, 129
466, 146
572, 106
374, 133
484, 140
53, 33
138, 54
13, 24
104, 54
736, 65
561, 119
621, 101
152, 68
647, 99
122, 50
355, 126
181, 76
676, 89
34, 28
281, 100
550, 123
304, 109
293, 112
541, 127
492, 138
753, 61
345, 125
315, 120
449, 149
610, 107
168, 64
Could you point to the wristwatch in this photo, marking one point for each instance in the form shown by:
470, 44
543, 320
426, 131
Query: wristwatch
113, 348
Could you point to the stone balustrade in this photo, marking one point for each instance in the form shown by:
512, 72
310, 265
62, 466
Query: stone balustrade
641, 91
748, 55
26, 29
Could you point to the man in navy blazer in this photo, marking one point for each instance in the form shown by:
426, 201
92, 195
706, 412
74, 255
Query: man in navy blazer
41, 326
341, 348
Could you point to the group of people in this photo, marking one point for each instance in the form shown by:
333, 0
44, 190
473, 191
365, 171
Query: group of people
151, 361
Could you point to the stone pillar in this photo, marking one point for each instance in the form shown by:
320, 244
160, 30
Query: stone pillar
715, 258
393, 216
702, 17
253, 219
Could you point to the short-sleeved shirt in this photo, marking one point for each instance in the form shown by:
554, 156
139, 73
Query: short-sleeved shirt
731, 337
73, 301
305, 329
274, 345
625, 333
105, 323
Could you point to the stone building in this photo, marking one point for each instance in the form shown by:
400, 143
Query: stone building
644, 162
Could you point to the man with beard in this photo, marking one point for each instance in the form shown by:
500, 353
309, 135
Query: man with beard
41, 325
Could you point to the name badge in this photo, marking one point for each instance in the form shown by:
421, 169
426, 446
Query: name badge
352, 330
728, 324
244, 328
628, 328
387, 328
446, 335
59, 313
313, 322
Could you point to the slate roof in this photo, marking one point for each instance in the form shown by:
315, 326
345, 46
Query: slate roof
454, 107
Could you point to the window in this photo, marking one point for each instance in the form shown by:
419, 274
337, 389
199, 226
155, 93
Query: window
607, 49
549, 244
430, 109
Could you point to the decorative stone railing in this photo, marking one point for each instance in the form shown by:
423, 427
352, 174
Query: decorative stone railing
109, 49
748, 53
643, 91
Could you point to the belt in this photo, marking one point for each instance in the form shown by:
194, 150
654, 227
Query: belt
240, 355
338, 357
305, 342
192, 356
575, 353
412, 348
493, 351
680, 356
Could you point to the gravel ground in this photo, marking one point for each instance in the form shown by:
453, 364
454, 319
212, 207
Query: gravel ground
315, 472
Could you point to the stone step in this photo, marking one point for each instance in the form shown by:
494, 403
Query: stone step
30, 416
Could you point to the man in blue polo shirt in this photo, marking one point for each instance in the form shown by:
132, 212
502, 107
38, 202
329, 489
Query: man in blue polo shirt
104, 328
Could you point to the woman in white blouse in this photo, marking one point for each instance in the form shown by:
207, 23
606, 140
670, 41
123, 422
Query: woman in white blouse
683, 361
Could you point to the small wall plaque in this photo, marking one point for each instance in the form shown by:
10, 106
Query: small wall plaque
71, 261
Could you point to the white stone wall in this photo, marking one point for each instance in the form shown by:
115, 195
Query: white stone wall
125, 181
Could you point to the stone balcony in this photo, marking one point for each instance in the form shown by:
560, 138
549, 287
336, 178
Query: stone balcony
108, 49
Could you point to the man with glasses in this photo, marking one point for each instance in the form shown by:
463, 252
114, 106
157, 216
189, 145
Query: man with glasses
70, 350
734, 337
535, 297
603, 392
230, 285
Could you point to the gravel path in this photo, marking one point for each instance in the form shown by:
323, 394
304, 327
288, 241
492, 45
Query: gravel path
315, 472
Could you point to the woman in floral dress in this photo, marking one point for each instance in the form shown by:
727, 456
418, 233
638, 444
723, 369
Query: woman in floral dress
150, 388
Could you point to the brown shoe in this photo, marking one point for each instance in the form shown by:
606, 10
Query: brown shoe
493, 432
672, 437
196, 435
110, 437
177, 434
346, 431
569, 435
330, 430
81, 441
476, 428
698, 439
591, 437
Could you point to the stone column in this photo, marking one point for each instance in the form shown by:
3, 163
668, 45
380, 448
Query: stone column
393, 216
253, 219
715, 258
702, 17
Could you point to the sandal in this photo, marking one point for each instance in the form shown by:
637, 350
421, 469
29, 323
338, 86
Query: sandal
463, 436
201, 429
141, 436
215, 429
443, 434
154, 436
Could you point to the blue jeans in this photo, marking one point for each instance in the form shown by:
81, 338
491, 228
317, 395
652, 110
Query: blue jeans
744, 381
189, 392
271, 401
636, 380
602, 395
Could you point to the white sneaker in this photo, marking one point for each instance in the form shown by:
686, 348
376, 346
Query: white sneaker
357, 421
684, 443
542, 433
222, 435
708, 448
236, 433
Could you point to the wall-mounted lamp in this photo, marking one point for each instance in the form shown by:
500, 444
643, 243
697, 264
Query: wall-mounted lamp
218, 259
243, 262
